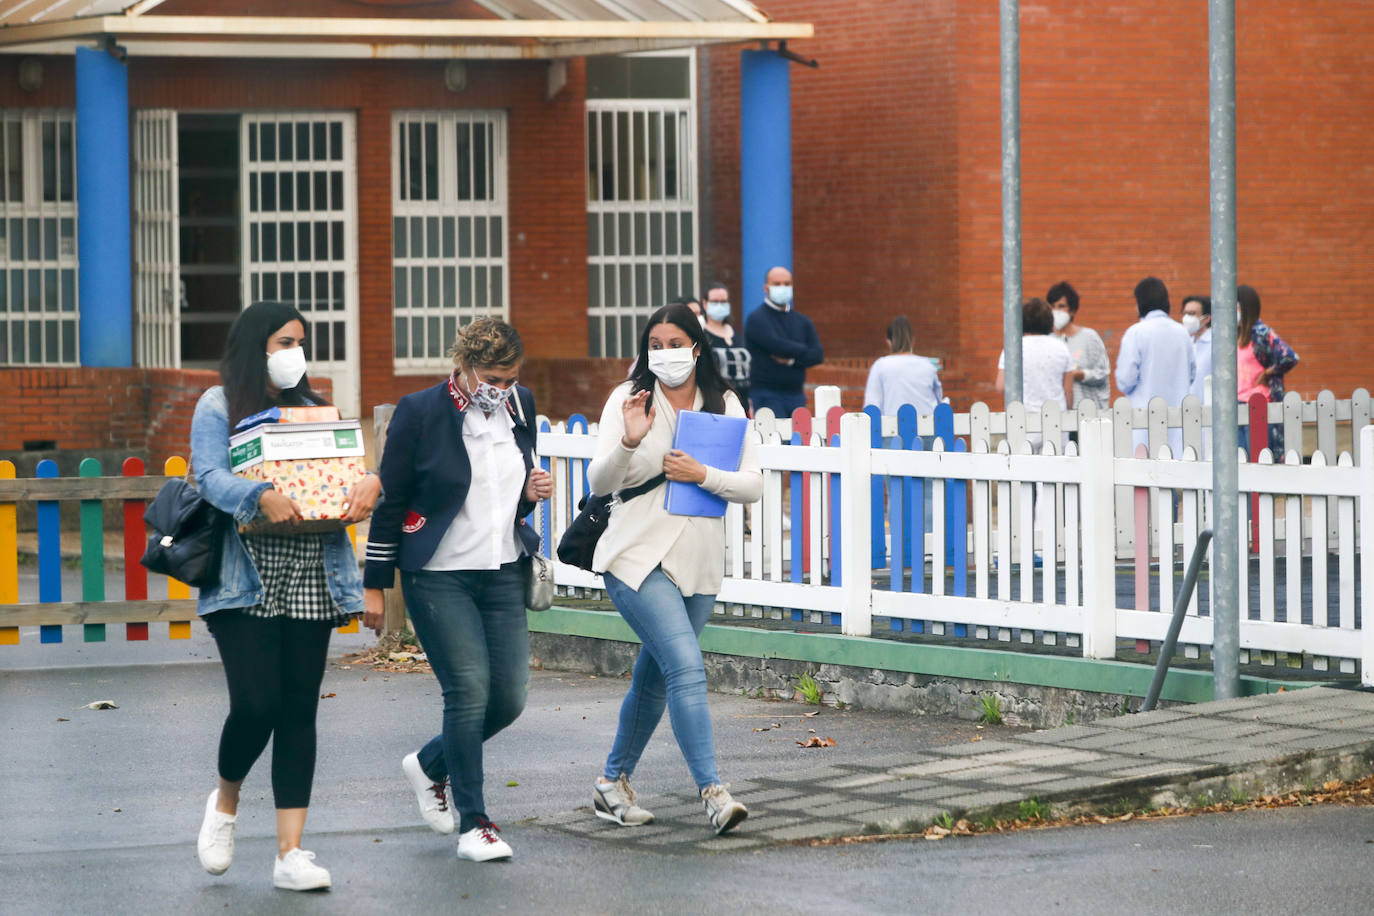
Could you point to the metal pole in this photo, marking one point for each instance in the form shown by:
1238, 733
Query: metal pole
1011, 198
1221, 64
1185, 595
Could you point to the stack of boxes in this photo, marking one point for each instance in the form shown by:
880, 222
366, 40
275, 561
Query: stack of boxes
306, 453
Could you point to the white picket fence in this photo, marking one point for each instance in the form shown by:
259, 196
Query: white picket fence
807, 549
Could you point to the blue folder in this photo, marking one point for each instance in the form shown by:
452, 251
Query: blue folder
714, 440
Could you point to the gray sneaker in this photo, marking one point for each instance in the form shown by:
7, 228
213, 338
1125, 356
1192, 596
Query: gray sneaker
616, 802
724, 812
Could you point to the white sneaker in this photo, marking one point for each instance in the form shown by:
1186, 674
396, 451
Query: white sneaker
297, 871
216, 842
432, 796
615, 801
723, 810
481, 844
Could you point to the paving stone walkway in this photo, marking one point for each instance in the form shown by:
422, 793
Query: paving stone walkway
1267, 744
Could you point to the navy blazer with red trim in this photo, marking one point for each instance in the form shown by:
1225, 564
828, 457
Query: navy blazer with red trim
425, 475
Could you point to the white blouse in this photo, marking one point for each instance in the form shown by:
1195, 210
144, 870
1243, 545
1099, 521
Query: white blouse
482, 535
642, 534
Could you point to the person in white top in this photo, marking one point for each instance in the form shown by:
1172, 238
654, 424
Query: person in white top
1047, 368
1197, 321
902, 377
662, 570
1156, 359
459, 478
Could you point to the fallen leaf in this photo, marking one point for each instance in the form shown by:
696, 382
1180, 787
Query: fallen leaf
961, 827
63, 719
512, 784
117, 810
817, 741
376, 839
976, 738
99, 704
808, 715
935, 832
1332, 786
326, 696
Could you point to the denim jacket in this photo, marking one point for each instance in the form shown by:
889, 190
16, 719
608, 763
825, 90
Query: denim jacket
239, 585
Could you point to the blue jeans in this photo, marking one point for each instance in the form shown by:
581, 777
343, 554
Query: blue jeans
668, 670
782, 403
472, 626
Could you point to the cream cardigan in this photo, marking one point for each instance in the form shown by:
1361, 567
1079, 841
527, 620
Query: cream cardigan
642, 534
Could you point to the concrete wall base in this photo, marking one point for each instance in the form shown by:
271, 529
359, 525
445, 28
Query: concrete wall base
863, 688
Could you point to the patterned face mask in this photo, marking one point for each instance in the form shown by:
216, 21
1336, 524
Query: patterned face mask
488, 397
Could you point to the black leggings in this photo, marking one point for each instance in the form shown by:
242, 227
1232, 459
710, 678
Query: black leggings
274, 666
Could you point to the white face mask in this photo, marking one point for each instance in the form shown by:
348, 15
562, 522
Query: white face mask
780, 294
672, 367
718, 311
1061, 319
1191, 323
286, 367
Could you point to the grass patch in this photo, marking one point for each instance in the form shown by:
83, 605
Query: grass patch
992, 708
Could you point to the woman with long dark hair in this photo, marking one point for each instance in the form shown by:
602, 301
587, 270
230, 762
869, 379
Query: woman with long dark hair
460, 475
278, 598
1263, 358
663, 570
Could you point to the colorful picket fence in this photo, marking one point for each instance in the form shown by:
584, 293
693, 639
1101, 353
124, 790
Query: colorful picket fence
96, 611
1023, 547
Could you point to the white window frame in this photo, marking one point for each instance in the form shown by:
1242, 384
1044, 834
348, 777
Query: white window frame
51, 267
453, 288
639, 279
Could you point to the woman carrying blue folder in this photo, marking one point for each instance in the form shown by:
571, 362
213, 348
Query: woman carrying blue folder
663, 570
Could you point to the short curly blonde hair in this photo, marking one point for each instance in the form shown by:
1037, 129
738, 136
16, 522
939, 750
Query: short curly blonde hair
487, 342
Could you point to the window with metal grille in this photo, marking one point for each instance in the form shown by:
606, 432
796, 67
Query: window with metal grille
38, 260
641, 194
449, 231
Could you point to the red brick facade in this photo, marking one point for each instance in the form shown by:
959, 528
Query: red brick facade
897, 171
896, 164
141, 411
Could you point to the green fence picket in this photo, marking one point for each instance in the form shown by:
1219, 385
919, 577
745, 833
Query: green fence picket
92, 551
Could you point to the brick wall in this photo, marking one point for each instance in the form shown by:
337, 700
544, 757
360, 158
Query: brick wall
139, 411
547, 197
897, 171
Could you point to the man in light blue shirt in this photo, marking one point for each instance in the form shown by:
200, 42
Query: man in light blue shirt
1156, 358
1197, 321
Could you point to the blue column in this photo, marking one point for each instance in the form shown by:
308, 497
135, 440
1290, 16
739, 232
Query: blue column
765, 170
103, 227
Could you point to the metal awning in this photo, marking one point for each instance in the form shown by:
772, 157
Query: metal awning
528, 29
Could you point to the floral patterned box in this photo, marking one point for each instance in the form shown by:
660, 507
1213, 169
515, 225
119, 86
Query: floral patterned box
314, 464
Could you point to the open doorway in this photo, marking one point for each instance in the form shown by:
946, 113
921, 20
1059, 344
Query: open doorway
209, 235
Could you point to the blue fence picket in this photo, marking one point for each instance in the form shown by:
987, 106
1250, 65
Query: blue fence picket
877, 537
944, 431
896, 490
545, 509
576, 423
49, 553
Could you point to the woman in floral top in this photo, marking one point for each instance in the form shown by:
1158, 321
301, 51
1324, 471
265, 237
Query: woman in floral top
1262, 360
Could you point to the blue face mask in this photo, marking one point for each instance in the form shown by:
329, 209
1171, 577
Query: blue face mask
780, 295
717, 311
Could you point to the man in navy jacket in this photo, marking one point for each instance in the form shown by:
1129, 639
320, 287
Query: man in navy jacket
782, 345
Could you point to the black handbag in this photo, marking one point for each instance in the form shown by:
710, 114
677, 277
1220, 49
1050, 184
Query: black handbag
578, 543
185, 534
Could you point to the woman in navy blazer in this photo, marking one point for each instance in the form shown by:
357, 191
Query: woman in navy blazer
459, 478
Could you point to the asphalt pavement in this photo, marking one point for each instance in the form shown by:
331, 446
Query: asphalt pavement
101, 807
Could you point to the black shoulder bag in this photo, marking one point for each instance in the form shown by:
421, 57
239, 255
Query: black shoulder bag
578, 543
184, 535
